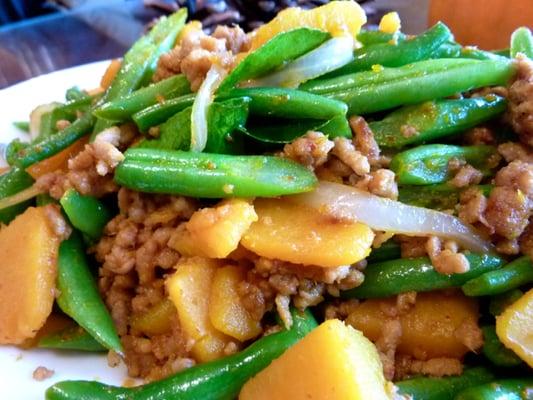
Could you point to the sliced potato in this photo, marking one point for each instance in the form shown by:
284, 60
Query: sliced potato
189, 288
514, 327
214, 232
28, 271
290, 232
333, 362
226, 310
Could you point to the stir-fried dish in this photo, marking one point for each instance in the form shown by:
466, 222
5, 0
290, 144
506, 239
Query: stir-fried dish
312, 210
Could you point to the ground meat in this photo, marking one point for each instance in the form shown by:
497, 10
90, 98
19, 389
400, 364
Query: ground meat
134, 257
310, 150
382, 183
41, 373
197, 52
466, 176
412, 246
57, 222
470, 335
387, 343
507, 212
408, 131
346, 152
520, 111
512, 151
90, 171
472, 206
340, 309
526, 240
508, 246
447, 260
364, 139
304, 285
517, 175
282, 307
479, 135
407, 366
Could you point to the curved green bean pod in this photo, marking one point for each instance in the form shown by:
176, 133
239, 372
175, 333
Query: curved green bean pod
428, 164
124, 107
495, 351
404, 52
71, 338
211, 175
398, 276
435, 119
504, 389
427, 388
289, 103
79, 297
12, 182
161, 112
522, 42
513, 275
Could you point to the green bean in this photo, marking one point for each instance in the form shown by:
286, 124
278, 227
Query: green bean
429, 164
71, 338
447, 50
381, 76
211, 175
513, 275
161, 112
223, 120
216, 380
12, 182
285, 131
441, 196
411, 84
406, 274
124, 107
477, 54
504, 389
522, 42
79, 207
495, 351
75, 93
283, 47
427, 388
389, 54
79, 297
289, 103
36, 152
389, 250
22, 125
500, 302
139, 62
367, 37
435, 119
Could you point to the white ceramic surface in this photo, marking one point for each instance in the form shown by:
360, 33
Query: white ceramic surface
17, 366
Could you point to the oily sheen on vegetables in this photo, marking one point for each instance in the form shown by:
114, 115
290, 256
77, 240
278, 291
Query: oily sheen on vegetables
347, 203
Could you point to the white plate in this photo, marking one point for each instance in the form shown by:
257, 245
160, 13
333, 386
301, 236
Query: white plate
17, 366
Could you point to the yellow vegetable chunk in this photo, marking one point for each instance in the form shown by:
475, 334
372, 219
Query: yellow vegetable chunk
214, 232
290, 232
28, 247
336, 17
429, 329
156, 320
514, 327
226, 310
333, 362
189, 289
390, 23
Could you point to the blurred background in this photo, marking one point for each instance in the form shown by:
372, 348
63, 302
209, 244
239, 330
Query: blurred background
41, 36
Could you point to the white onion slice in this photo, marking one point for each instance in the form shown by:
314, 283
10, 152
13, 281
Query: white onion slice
332, 54
201, 104
346, 202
